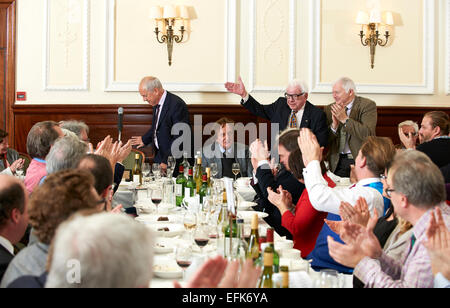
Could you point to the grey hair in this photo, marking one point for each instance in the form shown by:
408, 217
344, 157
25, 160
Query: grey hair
295, 83
347, 84
75, 127
409, 123
418, 178
151, 83
68, 133
66, 153
113, 251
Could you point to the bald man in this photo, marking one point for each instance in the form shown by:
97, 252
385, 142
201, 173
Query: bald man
13, 218
168, 110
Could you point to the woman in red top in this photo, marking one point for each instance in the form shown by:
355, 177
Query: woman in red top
306, 224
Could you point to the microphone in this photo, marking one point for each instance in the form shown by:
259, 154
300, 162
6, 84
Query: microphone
120, 122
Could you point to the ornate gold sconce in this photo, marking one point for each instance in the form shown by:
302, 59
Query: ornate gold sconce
168, 17
371, 36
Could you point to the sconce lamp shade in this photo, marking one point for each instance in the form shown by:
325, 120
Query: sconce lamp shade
389, 18
362, 18
375, 17
184, 12
170, 11
156, 12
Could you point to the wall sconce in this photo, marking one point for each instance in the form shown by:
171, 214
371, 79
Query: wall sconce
168, 16
371, 37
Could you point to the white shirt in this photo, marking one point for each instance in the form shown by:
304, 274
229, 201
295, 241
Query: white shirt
160, 104
7, 244
327, 199
349, 110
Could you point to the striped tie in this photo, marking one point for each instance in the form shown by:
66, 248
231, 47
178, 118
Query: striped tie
293, 120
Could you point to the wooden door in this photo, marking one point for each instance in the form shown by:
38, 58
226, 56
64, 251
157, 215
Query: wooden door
7, 65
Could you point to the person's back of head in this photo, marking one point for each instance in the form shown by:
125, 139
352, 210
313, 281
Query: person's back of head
439, 119
76, 127
100, 168
62, 194
65, 154
13, 215
288, 139
41, 138
379, 153
418, 178
107, 250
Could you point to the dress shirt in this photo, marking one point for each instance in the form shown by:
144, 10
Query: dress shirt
160, 104
349, 110
441, 282
327, 199
412, 271
7, 244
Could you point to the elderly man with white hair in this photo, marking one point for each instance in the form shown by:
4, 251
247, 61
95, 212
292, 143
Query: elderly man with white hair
293, 110
351, 119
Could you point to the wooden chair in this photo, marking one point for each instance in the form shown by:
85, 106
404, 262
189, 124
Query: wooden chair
27, 158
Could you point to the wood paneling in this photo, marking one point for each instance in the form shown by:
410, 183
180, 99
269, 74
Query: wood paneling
102, 119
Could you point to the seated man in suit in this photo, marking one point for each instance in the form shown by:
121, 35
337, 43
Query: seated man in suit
13, 218
224, 152
265, 178
291, 111
351, 119
433, 138
9, 158
168, 110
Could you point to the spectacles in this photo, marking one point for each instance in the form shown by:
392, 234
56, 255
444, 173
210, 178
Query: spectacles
293, 96
388, 192
383, 177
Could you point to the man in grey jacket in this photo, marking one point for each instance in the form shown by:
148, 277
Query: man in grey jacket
9, 158
224, 152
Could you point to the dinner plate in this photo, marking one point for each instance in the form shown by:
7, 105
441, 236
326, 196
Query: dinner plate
248, 215
157, 219
167, 230
167, 270
245, 205
163, 246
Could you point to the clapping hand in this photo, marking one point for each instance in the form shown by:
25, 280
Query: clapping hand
438, 244
282, 200
236, 88
338, 113
259, 151
359, 214
309, 146
18, 164
409, 141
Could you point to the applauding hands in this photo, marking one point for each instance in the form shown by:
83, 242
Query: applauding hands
236, 88
309, 146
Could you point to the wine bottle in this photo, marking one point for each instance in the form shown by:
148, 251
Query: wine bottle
137, 171
186, 165
190, 184
242, 246
284, 276
204, 188
276, 256
198, 174
208, 173
253, 246
180, 186
266, 277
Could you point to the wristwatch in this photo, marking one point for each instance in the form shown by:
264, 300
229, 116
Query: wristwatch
346, 121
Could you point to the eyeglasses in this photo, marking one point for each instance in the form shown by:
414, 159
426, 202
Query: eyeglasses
383, 177
293, 96
388, 192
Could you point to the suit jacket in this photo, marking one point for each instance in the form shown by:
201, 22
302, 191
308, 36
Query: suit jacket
278, 112
5, 259
174, 111
446, 173
212, 154
361, 124
267, 179
11, 156
437, 150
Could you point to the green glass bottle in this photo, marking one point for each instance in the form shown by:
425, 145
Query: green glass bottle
180, 186
234, 227
276, 256
204, 188
266, 277
190, 184
253, 245
242, 246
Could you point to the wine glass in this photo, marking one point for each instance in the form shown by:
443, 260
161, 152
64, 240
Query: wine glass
190, 222
236, 168
183, 256
214, 169
146, 172
156, 196
201, 236
156, 168
171, 162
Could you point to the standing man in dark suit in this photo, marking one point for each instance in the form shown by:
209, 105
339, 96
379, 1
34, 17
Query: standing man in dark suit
351, 119
13, 218
291, 111
168, 110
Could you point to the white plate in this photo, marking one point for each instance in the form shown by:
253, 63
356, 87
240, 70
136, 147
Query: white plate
247, 215
174, 229
153, 219
245, 205
163, 246
167, 271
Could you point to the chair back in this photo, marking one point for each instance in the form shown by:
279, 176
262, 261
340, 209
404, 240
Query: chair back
128, 162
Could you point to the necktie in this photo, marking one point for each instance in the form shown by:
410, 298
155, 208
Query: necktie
342, 137
155, 123
293, 120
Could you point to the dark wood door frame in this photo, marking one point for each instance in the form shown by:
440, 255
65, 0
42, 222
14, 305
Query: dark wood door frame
9, 68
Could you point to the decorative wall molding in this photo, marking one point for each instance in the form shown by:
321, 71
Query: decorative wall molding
84, 86
447, 18
230, 20
292, 48
428, 85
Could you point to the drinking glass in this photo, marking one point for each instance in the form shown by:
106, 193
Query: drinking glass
201, 236
329, 278
156, 194
171, 162
146, 172
236, 170
214, 169
190, 222
183, 256
156, 168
